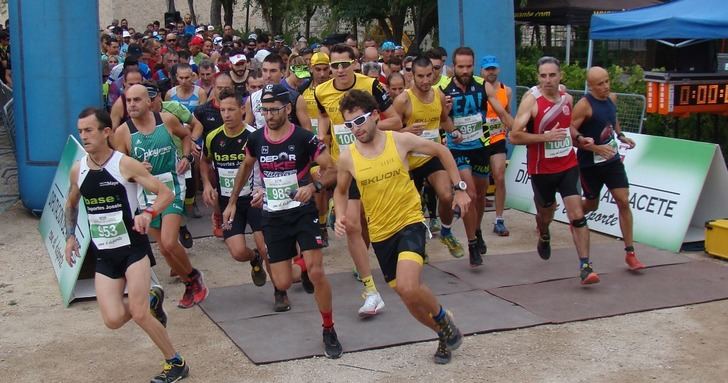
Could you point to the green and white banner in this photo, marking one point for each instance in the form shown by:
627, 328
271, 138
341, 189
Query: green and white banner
52, 227
675, 186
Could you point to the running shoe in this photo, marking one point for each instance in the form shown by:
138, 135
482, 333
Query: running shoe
442, 355
257, 272
332, 347
373, 304
499, 227
587, 275
475, 258
199, 289
185, 237
281, 302
543, 247
156, 304
449, 332
193, 211
188, 298
633, 263
172, 372
217, 225
306, 283
435, 225
453, 245
482, 248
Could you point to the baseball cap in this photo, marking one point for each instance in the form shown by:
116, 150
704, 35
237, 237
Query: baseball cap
275, 92
234, 59
197, 40
301, 71
278, 39
388, 46
125, 34
210, 27
320, 58
199, 29
261, 55
152, 90
252, 36
489, 62
217, 40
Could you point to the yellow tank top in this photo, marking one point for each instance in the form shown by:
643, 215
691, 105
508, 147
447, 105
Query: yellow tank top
311, 108
493, 127
428, 114
388, 194
329, 97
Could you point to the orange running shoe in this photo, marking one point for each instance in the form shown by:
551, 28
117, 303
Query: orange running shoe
217, 225
633, 263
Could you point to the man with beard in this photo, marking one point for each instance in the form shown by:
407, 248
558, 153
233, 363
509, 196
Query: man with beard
239, 73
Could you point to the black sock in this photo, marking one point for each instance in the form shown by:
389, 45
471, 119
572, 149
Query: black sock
193, 274
629, 249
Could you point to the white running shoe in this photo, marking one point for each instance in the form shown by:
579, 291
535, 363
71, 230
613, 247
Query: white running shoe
373, 304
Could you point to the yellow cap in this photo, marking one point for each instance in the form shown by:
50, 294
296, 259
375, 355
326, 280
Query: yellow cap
319, 58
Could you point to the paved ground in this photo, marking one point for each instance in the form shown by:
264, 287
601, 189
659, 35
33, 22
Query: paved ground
43, 341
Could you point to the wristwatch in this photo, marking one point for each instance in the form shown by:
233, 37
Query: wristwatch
150, 211
318, 186
460, 186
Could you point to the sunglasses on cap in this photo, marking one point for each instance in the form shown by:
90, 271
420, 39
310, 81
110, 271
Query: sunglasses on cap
341, 64
357, 122
299, 68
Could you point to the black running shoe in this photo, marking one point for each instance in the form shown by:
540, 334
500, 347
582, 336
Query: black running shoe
306, 282
443, 355
257, 272
156, 304
332, 347
482, 248
587, 275
544, 246
172, 373
185, 238
281, 303
449, 332
475, 258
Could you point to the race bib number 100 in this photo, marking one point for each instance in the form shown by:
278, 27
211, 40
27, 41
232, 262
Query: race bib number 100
343, 135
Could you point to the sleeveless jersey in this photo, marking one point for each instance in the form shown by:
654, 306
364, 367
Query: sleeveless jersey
553, 156
190, 102
494, 129
284, 166
600, 127
110, 202
311, 107
468, 113
388, 194
226, 154
429, 114
159, 150
328, 99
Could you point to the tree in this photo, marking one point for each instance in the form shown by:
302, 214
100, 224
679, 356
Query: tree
191, 4
227, 6
216, 13
170, 6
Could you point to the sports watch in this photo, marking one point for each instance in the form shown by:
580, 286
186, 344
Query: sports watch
460, 186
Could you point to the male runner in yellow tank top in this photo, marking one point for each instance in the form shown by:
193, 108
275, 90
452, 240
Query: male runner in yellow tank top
378, 161
328, 96
423, 110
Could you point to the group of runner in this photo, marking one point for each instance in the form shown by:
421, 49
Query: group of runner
277, 139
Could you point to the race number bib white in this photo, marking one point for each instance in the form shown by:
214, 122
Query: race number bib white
471, 127
226, 177
554, 149
147, 198
429, 134
613, 144
343, 135
277, 192
495, 126
108, 230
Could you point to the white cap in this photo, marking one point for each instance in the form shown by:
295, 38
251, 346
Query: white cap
238, 58
125, 34
199, 30
210, 28
261, 55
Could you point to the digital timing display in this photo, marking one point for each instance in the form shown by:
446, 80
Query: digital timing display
700, 94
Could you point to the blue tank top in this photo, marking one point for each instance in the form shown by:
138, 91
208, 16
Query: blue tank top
468, 113
191, 102
600, 127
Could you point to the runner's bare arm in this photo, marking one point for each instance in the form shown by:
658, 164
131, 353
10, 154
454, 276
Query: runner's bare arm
445, 120
117, 112
344, 178
400, 106
302, 114
249, 117
209, 194
581, 112
323, 126
133, 170
509, 94
240, 180
203, 96
121, 140
526, 111
390, 120
70, 215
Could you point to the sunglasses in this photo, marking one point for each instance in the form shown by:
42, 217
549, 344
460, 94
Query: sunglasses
357, 122
299, 68
408, 68
341, 64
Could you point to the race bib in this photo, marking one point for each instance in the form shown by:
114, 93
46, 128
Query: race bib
343, 135
613, 144
314, 125
429, 134
277, 192
226, 178
554, 149
108, 230
147, 198
471, 127
494, 126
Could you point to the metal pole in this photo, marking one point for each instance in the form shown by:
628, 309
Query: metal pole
568, 44
589, 55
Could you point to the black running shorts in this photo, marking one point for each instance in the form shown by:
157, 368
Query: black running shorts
411, 239
593, 178
545, 186
283, 231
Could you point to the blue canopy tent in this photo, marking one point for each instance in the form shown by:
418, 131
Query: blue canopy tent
692, 21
